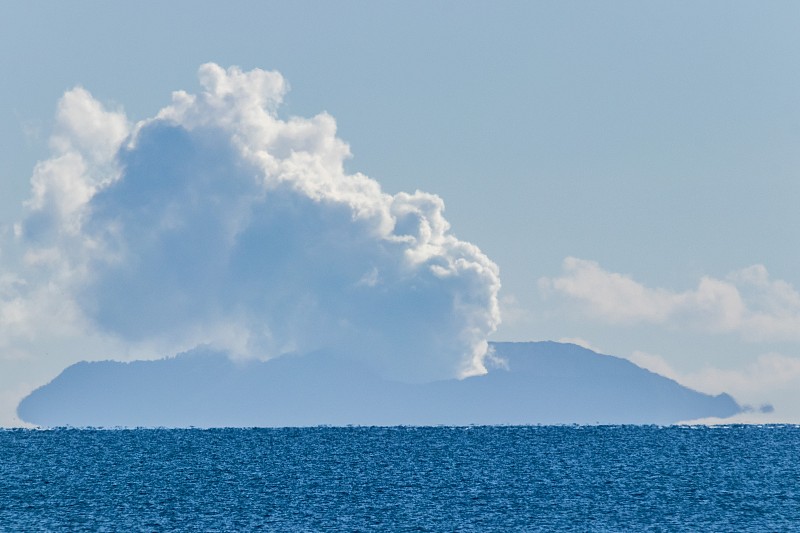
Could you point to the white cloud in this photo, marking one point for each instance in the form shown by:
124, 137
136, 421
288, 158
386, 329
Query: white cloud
217, 221
747, 302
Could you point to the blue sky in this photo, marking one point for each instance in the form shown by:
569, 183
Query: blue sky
654, 143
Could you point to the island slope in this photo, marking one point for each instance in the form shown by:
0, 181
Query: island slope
538, 383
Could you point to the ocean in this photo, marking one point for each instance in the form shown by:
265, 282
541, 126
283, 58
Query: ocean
481, 478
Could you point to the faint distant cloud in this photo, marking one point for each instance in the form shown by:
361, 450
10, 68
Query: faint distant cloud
655, 363
769, 374
583, 343
9, 399
747, 302
512, 311
31, 131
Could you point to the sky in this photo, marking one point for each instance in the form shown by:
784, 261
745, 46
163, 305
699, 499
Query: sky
619, 175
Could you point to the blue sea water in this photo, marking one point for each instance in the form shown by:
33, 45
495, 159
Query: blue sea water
536, 478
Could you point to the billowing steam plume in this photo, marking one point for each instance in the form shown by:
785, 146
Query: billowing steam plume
219, 222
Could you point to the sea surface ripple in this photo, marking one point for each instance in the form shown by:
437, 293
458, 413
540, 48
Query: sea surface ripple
483, 478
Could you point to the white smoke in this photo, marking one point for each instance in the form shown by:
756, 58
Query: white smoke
219, 222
